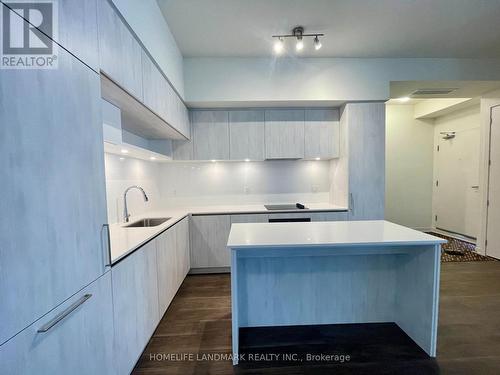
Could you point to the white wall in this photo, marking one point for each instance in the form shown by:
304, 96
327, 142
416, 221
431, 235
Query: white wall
146, 19
121, 174
202, 183
254, 80
409, 168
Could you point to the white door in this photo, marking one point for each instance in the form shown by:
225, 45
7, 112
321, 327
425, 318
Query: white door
492, 232
457, 190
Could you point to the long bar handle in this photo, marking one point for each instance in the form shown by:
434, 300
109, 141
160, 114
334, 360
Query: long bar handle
63, 314
351, 198
108, 245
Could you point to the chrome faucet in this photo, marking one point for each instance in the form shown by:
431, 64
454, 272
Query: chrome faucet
126, 215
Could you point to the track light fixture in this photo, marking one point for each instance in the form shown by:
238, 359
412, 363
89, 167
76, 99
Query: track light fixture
298, 34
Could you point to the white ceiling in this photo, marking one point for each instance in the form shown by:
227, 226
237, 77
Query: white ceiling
353, 28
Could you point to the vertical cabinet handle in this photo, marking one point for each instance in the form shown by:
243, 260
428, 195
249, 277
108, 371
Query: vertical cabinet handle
351, 199
63, 314
106, 244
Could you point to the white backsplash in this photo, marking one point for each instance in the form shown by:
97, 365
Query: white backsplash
121, 174
204, 183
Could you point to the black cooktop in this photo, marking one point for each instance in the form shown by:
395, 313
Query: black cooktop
283, 207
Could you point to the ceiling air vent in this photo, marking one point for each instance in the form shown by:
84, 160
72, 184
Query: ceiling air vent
436, 91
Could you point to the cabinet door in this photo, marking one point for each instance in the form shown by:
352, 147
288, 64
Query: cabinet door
321, 134
183, 248
52, 163
209, 236
249, 218
284, 134
210, 135
154, 90
77, 29
246, 135
366, 138
135, 305
119, 52
329, 216
168, 271
81, 343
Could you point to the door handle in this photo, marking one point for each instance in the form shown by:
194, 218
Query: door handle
475, 186
106, 244
51, 323
351, 199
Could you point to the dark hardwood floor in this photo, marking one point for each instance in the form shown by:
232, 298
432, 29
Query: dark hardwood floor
197, 328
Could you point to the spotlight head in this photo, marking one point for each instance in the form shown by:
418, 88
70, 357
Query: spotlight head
279, 46
317, 43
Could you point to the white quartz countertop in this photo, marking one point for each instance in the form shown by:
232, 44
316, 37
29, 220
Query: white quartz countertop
125, 240
333, 233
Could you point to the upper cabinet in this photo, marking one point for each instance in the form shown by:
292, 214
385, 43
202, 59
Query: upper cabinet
78, 30
284, 134
246, 135
210, 135
119, 52
155, 88
321, 134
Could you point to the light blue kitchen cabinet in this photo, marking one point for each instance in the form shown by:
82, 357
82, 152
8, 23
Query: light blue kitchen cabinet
76, 29
210, 134
52, 163
161, 98
78, 338
365, 132
249, 218
183, 255
168, 272
135, 305
246, 135
284, 135
321, 134
209, 235
119, 52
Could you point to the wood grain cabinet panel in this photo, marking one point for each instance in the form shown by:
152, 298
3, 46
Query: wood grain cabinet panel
366, 139
284, 134
210, 135
168, 271
209, 236
183, 255
246, 135
249, 218
77, 29
135, 305
52, 163
119, 52
321, 138
80, 344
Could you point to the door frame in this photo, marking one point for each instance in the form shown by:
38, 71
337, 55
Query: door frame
488, 178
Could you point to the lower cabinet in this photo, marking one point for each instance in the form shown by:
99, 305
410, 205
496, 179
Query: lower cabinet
183, 255
168, 272
80, 343
209, 235
135, 305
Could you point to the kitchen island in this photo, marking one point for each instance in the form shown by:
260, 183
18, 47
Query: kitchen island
288, 274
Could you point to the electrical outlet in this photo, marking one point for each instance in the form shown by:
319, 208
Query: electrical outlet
314, 188
246, 190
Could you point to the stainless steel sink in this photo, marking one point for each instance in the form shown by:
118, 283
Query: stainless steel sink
149, 222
